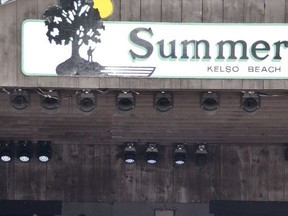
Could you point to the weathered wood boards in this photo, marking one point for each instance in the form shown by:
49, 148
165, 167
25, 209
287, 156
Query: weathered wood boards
8, 46
151, 11
13, 14
97, 173
105, 125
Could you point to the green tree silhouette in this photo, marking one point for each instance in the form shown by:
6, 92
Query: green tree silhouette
74, 21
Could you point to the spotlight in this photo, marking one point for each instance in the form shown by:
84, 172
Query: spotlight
24, 151
51, 100
19, 99
86, 101
201, 154
130, 153
125, 101
179, 154
152, 153
250, 102
163, 101
209, 101
44, 151
2, 2
6, 150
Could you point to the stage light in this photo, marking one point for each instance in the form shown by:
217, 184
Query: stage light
163, 101
209, 101
129, 152
152, 153
86, 101
51, 100
179, 154
2, 2
6, 150
250, 102
125, 101
201, 154
44, 151
24, 151
19, 99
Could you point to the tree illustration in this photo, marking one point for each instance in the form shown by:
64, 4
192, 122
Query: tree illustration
78, 23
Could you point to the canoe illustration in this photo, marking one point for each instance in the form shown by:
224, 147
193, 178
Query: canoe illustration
128, 71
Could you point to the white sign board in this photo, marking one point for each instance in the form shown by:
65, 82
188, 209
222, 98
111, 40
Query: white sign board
163, 50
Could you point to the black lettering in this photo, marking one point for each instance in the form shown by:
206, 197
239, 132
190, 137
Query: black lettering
209, 69
264, 69
141, 42
271, 69
185, 43
228, 69
254, 49
278, 69
277, 49
232, 45
250, 69
235, 69
172, 49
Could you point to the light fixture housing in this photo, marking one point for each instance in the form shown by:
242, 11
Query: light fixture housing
201, 154
86, 101
129, 154
163, 101
44, 151
151, 153
51, 100
125, 101
24, 150
6, 150
250, 102
210, 101
20, 99
2, 2
180, 154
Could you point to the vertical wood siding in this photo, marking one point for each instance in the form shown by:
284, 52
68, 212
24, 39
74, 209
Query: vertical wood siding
97, 173
275, 11
213, 11
151, 11
254, 11
192, 10
8, 45
171, 10
12, 15
233, 11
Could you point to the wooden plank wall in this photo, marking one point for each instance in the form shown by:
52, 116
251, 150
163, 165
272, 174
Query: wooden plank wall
97, 173
12, 15
186, 122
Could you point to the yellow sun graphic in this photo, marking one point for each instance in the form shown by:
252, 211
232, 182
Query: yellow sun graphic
105, 7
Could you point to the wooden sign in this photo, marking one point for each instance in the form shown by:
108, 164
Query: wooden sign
75, 41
